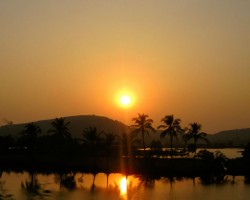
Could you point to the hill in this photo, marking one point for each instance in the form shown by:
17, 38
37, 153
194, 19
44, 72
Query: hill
237, 137
76, 126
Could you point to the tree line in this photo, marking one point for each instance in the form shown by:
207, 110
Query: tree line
58, 138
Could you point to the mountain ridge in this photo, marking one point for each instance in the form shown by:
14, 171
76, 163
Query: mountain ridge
77, 124
235, 137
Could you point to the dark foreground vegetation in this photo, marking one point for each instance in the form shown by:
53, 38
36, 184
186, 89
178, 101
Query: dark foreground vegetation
206, 164
97, 152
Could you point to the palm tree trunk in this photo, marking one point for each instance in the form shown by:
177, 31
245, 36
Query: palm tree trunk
143, 141
171, 146
195, 144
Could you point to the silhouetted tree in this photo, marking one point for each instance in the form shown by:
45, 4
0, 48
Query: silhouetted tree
5, 143
29, 135
195, 134
172, 128
205, 155
60, 139
156, 144
185, 137
92, 139
110, 142
142, 125
221, 162
156, 148
246, 152
216, 163
60, 128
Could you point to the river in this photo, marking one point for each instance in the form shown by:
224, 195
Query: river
23, 186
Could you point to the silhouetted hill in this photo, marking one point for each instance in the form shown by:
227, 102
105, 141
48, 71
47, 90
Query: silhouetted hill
237, 137
230, 138
76, 126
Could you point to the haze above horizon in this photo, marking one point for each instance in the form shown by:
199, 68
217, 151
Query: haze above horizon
187, 58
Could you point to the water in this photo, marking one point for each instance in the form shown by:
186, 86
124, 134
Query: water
228, 152
48, 187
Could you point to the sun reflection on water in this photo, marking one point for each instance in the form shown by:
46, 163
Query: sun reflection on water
123, 186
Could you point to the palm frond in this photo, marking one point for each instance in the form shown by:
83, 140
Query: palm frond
164, 133
162, 126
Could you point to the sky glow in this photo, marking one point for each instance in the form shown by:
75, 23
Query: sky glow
187, 58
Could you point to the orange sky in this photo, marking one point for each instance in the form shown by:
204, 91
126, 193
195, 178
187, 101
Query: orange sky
187, 58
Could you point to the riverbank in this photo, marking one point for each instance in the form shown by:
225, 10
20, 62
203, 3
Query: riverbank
185, 167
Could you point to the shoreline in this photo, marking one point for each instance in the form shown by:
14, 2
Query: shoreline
156, 167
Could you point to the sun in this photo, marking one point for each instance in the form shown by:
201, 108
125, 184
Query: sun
125, 100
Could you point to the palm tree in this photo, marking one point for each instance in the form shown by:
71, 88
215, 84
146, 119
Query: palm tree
194, 132
142, 125
29, 134
172, 128
60, 128
91, 138
110, 143
31, 130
